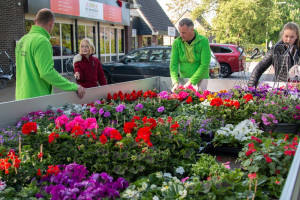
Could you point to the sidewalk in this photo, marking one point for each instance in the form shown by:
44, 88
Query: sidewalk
8, 93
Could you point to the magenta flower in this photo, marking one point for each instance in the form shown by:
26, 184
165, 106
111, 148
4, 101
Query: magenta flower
160, 109
93, 110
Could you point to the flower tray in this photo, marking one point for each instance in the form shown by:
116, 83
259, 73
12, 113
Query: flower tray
281, 128
225, 150
206, 138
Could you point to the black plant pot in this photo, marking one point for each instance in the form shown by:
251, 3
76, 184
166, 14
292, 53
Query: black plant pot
281, 128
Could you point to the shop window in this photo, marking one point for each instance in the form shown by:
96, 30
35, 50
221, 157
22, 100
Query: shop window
121, 40
55, 40
106, 41
90, 33
67, 38
102, 39
146, 41
81, 34
160, 40
113, 39
28, 25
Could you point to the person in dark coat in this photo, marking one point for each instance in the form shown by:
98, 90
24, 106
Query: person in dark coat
88, 69
281, 63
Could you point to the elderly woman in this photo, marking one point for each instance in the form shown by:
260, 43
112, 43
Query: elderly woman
88, 69
289, 35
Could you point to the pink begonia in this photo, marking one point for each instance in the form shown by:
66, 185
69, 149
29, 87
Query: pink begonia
107, 131
78, 121
184, 179
61, 120
183, 94
227, 165
91, 123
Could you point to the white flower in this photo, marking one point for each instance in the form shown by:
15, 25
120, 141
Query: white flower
164, 188
155, 198
182, 194
167, 175
180, 170
144, 185
153, 186
159, 174
2, 185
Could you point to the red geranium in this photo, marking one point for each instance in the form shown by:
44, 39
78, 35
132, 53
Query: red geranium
52, 137
29, 127
248, 97
216, 102
103, 139
129, 127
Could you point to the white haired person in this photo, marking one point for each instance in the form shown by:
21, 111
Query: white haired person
88, 69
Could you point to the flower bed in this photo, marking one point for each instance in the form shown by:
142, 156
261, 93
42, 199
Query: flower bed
150, 141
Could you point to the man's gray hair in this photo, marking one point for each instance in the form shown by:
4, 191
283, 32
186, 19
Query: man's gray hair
186, 21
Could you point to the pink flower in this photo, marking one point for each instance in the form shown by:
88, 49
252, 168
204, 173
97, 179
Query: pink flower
252, 176
184, 179
61, 120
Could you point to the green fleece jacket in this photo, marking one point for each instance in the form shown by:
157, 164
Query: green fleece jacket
195, 67
35, 72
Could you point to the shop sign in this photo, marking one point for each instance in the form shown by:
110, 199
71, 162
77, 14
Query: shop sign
88, 9
171, 31
133, 33
91, 9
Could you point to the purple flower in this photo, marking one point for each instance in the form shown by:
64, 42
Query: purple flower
120, 108
107, 178
160, 109
93, 110
39, 196
101, 111
139, 107
106, 114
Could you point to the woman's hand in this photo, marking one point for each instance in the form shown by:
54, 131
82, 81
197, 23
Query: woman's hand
77, 75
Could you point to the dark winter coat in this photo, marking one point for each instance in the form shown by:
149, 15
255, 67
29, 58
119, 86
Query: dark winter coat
91, 72
281, 64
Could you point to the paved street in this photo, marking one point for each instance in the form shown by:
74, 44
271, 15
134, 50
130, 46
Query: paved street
8, 93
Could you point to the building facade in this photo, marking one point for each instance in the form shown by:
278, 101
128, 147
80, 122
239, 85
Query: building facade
115, 27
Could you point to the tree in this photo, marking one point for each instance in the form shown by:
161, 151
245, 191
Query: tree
178, 7
245, 21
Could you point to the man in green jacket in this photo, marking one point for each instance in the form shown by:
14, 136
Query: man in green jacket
35, 72
191, 53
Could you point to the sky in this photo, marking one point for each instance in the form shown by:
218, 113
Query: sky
163, 5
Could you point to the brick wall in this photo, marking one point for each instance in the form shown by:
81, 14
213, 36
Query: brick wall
12, 27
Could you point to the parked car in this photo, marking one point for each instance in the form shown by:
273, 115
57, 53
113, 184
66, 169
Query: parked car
146, 62
228, 57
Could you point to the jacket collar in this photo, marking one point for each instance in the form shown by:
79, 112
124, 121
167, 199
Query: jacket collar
41, 30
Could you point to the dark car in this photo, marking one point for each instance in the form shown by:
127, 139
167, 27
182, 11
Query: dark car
146, 62
228, 57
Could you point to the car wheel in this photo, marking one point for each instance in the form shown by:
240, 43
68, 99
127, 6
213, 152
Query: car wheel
107, 77
225, 70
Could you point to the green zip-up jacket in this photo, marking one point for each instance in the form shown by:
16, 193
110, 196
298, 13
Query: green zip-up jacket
35, 72
198, 68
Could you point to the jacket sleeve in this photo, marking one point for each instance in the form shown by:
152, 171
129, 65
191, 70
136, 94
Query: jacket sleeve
174, 62
101, 77
44, 62
78, 69
260, 68
203, 70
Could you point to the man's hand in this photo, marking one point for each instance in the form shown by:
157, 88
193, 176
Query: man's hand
175, 87
77, 75
80, 91
187, 84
